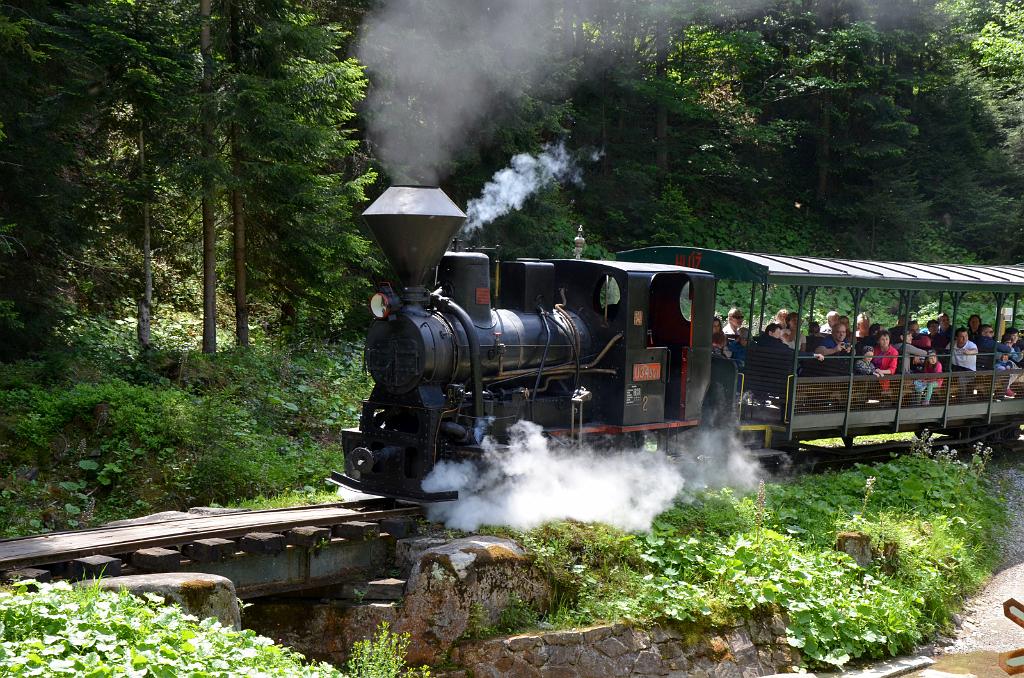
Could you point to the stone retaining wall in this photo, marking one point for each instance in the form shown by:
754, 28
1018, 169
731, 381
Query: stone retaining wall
757, 648
467, 583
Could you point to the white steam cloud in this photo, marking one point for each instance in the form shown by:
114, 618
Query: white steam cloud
535, 480
526, 174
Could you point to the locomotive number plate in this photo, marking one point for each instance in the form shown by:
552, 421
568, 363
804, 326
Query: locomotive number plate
483, 295
647, 372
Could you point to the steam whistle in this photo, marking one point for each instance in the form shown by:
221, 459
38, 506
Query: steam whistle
580, 243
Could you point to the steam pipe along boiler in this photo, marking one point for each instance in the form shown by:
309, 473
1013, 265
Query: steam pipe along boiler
593, 347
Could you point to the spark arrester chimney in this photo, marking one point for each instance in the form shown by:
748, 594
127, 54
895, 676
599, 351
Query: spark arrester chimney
413, 226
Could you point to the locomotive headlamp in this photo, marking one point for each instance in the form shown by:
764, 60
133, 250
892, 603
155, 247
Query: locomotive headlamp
380, 305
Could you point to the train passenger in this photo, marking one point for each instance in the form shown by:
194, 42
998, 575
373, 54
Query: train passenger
791, 333
910, 353
832, 318
734, 323
770, 342
939, 336
1004, 364
772, 333
925, 387
871, 339
1012, 338
720, 345
886, 357
716, 325
974, 327
812, 339
987, 343
863, 327
942, 336
836, 344
865, 366
738, 346
914, 329
964, 352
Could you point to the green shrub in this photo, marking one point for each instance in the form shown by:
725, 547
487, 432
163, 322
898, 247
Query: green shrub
191, 430
60, 630
931, 518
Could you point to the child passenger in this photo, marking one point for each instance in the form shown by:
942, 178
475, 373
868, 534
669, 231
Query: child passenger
864, 366
925, 387
1004, 363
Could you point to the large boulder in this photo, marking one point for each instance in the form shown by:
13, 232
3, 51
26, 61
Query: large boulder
466, 581
204, 595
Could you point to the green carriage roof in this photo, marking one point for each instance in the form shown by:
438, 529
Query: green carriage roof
819, 272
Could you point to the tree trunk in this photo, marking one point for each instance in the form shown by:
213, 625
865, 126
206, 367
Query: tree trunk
824, 146
237, 205
661, 109
146, 303
209, 154
238, 224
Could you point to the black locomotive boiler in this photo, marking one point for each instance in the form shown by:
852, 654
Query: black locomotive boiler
582, 348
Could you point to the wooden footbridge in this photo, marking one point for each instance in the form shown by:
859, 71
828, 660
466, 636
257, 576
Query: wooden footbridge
262, 552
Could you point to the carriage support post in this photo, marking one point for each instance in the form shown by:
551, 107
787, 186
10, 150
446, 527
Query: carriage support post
955, 298
750, 318
858, 294
760, 322
801, 295
1000, 298
906, 299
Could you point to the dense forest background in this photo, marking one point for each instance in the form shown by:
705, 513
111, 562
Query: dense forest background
151, 151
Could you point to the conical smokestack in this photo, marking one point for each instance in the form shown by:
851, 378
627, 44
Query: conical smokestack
413, 226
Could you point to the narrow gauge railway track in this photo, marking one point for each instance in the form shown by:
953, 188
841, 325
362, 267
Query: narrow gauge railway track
61, 548
811, 458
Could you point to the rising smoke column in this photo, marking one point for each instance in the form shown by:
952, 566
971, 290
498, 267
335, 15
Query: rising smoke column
526, 174
439, 68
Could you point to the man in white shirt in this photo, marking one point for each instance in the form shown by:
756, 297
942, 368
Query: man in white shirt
964, 353
733, 324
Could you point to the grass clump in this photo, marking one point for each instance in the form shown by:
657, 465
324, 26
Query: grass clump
931, 519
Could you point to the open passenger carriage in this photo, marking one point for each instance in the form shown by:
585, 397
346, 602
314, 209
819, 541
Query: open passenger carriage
803, 398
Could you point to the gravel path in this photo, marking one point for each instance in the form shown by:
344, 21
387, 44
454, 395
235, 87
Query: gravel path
983, 626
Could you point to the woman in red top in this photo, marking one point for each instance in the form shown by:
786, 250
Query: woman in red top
887, 358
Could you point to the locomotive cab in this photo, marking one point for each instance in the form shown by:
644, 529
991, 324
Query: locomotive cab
661, 315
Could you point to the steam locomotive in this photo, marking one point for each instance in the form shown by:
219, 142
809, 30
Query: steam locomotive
583, 348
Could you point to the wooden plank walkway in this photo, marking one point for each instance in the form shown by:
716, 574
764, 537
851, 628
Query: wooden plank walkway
61, 547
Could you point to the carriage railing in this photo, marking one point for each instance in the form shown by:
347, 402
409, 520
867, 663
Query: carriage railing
841, 393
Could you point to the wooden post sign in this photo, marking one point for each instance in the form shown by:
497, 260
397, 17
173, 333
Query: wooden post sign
1013, 662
